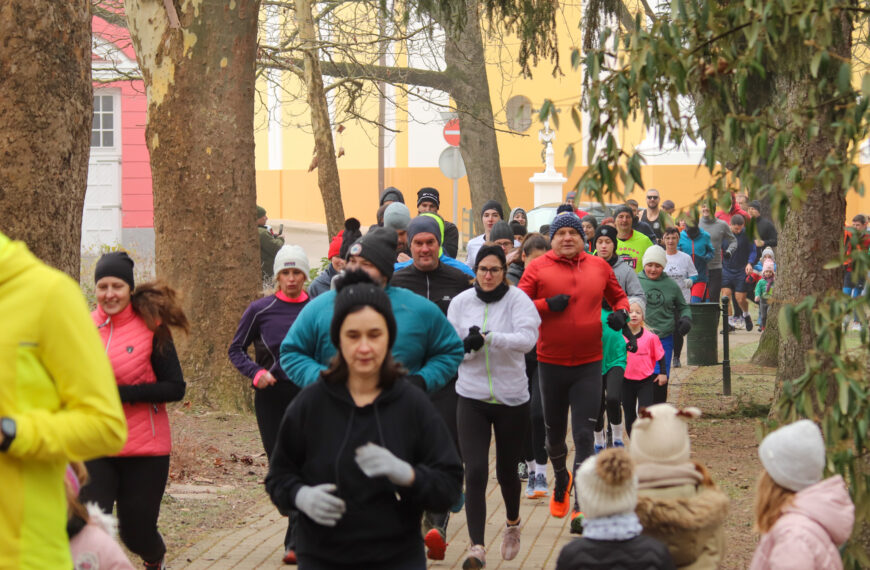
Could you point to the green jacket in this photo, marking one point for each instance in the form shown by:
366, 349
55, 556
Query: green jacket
269, 246
761, 291
57, 384
664, 304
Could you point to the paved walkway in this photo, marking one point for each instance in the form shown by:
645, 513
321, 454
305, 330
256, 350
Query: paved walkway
257, 541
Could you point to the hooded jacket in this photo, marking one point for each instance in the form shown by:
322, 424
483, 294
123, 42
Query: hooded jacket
322, 282
687, 517
573, 336
426, 344
700, 250
638, 553
57, 385
497, 372
441, 285
319, 434
665, 304
627, 279
808, 533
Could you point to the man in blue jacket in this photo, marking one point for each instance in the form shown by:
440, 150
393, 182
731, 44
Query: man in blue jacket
427, 344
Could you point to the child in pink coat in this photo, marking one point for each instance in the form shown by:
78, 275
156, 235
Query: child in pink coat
640, 374
803, 519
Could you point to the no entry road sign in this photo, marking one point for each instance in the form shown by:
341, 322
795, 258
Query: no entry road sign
451, 132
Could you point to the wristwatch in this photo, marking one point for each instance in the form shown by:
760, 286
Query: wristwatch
8, 429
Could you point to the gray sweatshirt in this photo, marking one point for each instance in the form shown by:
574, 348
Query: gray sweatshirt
719, 230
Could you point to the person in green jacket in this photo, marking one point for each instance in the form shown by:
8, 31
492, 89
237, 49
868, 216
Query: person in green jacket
666, 309
269, 244
58, 403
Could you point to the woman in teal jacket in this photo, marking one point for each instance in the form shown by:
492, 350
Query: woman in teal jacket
696, 242
666, 309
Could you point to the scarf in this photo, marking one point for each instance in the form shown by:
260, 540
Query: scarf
654, 475
491, 296
615, 527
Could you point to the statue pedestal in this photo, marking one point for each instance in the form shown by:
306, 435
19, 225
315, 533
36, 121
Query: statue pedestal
548, 188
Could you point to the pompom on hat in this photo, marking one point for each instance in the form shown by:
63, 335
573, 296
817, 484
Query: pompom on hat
794, 455
661, 435
607, 484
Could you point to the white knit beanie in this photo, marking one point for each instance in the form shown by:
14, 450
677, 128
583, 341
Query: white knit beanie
794, 455
655, 254
291, 257
661, 435
607, 484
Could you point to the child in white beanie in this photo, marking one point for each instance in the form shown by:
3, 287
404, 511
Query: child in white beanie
802, 518
678, 503
607, 486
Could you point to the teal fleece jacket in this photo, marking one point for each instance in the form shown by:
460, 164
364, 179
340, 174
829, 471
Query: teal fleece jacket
664, 304
426, 343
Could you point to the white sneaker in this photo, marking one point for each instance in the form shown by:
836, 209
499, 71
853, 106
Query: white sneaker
510, 542
475, 559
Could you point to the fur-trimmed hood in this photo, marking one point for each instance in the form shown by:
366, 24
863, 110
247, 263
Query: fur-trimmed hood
688, 518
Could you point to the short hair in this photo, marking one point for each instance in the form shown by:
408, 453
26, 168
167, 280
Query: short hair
737, 220
860, 218
631, 202
534, 242
671, 230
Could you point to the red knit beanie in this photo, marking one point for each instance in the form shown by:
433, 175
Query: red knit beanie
335, 245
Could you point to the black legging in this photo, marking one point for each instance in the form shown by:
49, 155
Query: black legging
611, 397
137, 485
580, 388
476, 421
269, 405
636, 393
714, 285
445, 402
536, 447
678, 344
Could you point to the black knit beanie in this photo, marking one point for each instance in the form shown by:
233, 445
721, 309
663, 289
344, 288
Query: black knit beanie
492, 205
485, 250
564, 208
518, 229
379, 247
501, 230
355, 290
605, 231
115, 264
430, 194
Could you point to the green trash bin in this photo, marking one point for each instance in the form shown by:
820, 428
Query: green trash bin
703, 346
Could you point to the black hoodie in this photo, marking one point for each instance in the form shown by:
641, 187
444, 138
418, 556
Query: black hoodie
439, 285
319, 435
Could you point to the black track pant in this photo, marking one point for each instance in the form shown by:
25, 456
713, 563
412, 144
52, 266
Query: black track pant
536, 447
577, 388
445, 401
678, 344
269, 405
611, 397
636, 394
477, 421
137, 485
714, 285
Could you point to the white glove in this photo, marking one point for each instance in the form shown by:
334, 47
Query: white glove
688, 283
377, 461
320, 504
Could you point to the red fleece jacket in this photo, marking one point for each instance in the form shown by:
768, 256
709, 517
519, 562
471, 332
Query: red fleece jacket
573, 336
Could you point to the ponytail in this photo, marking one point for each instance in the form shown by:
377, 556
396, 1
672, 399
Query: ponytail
158, 305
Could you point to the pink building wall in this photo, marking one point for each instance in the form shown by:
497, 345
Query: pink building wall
137, 204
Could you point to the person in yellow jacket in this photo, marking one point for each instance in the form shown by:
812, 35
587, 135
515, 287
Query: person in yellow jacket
58, 403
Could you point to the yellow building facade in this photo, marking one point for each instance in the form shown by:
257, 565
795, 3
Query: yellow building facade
284, 143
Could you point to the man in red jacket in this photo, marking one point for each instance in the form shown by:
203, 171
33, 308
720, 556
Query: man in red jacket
567, 286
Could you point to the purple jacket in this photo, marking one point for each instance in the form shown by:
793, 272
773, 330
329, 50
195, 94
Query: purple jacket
808, 533
265, 324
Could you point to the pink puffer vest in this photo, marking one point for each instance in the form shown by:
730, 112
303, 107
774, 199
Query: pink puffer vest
128, 344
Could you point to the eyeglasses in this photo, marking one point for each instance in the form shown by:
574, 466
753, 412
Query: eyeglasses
652, 197
491, 270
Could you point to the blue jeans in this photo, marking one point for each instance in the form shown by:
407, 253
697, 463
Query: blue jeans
660, 393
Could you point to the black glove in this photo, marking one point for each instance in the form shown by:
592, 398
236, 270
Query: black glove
474, 340
632, 340
684, 325
727, 254
558, 303
617, 319
417, 381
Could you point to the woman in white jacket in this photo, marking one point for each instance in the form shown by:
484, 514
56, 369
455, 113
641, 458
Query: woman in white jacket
499, 324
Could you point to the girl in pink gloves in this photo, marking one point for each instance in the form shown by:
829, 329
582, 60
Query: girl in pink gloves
803, 519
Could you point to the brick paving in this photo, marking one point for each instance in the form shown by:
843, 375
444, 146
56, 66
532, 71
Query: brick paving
257, 541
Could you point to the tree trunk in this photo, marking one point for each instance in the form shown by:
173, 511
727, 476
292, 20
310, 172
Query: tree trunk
46, 104
199, 80
466, 65
811, 235
327, 167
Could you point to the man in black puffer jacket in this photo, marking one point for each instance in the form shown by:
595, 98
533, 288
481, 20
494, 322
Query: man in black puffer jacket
440, 283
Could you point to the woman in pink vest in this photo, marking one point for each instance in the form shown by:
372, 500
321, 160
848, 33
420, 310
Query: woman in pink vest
134, 325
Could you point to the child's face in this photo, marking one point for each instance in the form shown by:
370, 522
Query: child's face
653, 270
635, 315
767, 274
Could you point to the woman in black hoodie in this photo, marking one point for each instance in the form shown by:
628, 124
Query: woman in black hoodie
362, 453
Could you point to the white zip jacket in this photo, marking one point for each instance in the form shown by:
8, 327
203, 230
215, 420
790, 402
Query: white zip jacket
497, 372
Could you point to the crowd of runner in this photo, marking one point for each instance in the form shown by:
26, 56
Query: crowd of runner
379, 387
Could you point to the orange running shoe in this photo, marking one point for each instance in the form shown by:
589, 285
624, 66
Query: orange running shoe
560, 502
